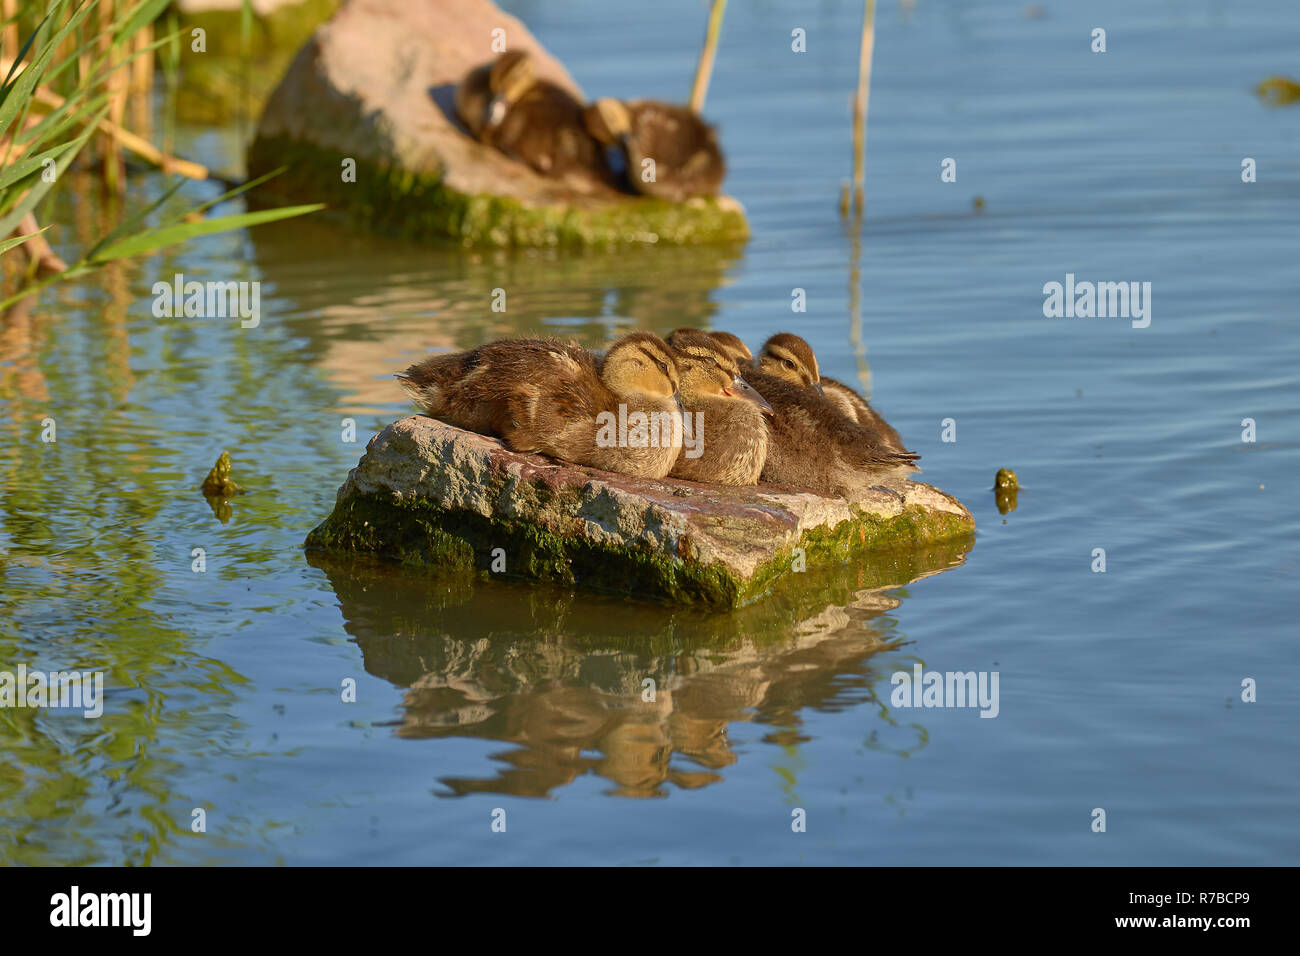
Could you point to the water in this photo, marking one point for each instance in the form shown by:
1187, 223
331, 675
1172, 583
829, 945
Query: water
1119, 690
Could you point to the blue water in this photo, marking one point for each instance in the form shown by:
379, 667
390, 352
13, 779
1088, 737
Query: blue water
1118, 690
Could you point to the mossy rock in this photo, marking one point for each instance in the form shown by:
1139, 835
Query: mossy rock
364, 121
429, 495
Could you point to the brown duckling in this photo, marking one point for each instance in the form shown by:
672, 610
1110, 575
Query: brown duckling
812, 445
551, 397
726, 417
731, 344
687, 160
788, 356
534, 121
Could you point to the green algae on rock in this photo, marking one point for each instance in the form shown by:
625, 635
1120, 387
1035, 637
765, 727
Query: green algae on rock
1279, 91
1006, 486
218, 483
429, 495
365, 122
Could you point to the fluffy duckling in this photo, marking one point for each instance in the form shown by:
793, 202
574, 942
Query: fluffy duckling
536, 122
812, 445
789, 357
551, 397
731, 344
732, 428
687, 159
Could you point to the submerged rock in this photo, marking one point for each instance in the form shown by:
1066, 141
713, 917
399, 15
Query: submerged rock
365, 121
218, 483
1006, 488
426, 493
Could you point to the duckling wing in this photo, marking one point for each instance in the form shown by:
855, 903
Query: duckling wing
545, 131
554, 394
867, 417
685, 149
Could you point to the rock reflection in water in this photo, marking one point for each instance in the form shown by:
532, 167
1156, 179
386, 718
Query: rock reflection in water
562, 677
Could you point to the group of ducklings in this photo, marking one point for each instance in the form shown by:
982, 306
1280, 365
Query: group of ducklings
773, 419
504, 105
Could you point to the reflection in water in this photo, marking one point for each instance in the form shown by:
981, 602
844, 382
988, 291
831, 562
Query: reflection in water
564, 680
389, 303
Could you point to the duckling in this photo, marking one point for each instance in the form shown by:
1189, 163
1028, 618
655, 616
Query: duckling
551, 397
687, 160
788, 356
812, 445
732, 428
536, 122
731, 344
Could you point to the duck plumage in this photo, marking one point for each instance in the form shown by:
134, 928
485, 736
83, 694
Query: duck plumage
732, 417
788, 356
548, 396
534, 121
687, 160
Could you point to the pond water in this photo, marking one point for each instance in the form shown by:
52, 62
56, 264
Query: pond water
1119, 690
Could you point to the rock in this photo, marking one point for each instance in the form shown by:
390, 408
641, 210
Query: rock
428, 494
1006, 489
218, 484
1279, 91
376, 85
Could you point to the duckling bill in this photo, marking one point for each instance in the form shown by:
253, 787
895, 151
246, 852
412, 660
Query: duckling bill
536, 122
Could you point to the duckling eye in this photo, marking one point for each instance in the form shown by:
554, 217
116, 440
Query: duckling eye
663, 367
787, 363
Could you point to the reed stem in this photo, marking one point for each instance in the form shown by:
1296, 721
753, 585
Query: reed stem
136, 144
704, 69
860, 106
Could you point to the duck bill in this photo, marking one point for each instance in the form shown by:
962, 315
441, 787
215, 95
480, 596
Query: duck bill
742, 389
818, 386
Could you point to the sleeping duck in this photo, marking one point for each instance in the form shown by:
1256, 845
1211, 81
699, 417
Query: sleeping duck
552, 397
670, 152
536, 122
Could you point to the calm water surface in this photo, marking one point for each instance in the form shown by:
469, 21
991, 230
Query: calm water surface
1118, 690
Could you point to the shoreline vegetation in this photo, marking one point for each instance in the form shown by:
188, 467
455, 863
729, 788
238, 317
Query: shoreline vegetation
65, 89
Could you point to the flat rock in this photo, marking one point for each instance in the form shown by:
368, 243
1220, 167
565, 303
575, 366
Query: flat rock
376, 85
426, 493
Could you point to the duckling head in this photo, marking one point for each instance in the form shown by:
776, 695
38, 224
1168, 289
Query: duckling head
735, 348
708, 371
731, 345
643, 363
789, 357
607, 120
511, 76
